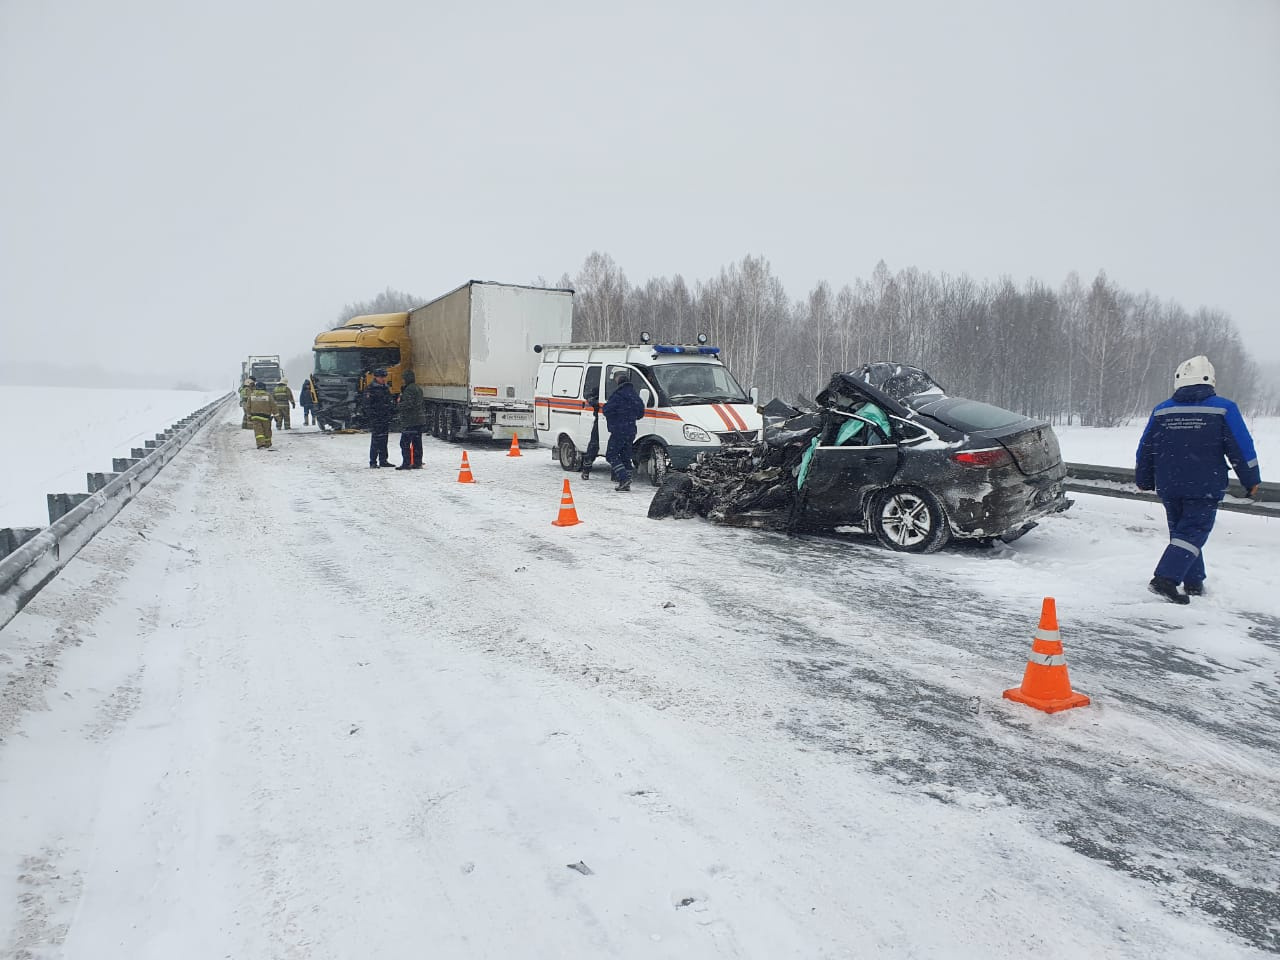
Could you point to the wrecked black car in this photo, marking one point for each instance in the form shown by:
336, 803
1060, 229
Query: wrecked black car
888, 451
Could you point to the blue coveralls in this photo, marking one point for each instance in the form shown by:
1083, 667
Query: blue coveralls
621, 413
1182, 456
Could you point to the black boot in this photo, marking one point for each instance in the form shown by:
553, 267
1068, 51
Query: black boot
1194, 588
1167, 589
624, 484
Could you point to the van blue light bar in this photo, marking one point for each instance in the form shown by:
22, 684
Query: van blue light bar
672, 348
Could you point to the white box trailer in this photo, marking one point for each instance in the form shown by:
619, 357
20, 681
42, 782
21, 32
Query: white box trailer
473, 355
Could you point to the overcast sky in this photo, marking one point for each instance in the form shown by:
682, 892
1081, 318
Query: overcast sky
182, 184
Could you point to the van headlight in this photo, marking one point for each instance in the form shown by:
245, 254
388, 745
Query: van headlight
696, 434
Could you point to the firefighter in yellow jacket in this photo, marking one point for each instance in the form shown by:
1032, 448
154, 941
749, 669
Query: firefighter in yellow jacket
262, 410
245, 389
283, 395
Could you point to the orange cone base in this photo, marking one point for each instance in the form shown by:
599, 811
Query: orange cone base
566, 523
1048, 706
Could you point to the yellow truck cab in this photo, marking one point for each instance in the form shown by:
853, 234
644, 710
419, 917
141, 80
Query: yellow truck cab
346, 357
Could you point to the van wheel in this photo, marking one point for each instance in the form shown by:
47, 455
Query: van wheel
909, 519
570, 459
655, 463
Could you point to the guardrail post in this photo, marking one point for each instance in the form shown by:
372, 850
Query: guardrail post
60, 504
96, 481
137, 453
11, 538
121, 464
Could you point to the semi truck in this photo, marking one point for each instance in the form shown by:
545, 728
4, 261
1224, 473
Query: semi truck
346, 357
472, 355
470, 351
261, 367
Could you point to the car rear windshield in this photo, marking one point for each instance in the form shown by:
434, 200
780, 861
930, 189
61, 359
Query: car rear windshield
971, 414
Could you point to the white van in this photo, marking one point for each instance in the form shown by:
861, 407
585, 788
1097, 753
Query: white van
692, 403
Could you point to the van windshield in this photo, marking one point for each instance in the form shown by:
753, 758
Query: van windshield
682, 384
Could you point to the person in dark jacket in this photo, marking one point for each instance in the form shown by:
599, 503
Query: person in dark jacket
413, 417
1182, 456
307, 400
379, 408
621, 413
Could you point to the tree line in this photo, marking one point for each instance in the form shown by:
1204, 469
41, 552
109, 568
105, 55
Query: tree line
1088, 353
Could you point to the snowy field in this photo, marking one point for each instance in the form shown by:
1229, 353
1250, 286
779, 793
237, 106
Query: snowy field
62, 433
1116, 447
287, 706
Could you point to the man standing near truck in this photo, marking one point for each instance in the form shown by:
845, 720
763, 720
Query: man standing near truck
246, 388
284, 402
621, 412
262, 410
379, 409
413, 416
307, 397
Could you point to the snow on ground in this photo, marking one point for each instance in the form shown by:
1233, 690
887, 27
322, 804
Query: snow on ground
287, 706
1117, 446
59, 434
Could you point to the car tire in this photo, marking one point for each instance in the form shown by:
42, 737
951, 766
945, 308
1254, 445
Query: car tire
655, 463
570, 459
909, 520
675, 490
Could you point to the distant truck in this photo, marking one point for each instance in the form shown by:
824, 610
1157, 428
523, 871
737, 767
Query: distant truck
264, 368
473, 355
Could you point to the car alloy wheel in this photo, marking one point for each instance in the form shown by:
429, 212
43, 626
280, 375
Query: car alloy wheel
910, 520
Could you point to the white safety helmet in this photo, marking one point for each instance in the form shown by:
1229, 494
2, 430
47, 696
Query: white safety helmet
1193, 371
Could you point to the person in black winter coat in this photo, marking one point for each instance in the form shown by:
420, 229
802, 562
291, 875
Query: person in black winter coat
413, 416
622, 411
379, 409
1182, 456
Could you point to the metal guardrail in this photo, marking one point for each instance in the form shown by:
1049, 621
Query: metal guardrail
25, 571
1118, 482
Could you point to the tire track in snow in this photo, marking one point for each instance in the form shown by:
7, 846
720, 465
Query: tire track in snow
1154, 820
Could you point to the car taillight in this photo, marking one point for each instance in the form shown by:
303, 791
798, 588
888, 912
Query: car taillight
995, 457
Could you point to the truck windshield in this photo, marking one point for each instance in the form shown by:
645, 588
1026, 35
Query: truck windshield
265, 371
352, 363
681, 384
338, 363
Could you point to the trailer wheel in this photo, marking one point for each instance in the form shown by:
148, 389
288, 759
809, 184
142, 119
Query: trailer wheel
570, 459
450, 426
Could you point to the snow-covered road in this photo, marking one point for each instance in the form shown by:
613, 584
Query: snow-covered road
286, 706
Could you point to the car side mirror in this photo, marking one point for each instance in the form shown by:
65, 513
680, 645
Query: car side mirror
645, 395
755, 396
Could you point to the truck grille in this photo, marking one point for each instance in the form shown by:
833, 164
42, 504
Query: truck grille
731, 438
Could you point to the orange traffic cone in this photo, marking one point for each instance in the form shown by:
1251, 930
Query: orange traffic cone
1045, 685
464, 474
568, 513
515, 446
